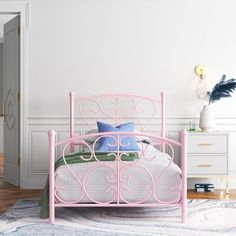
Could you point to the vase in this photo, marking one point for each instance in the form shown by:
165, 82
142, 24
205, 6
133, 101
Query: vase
207, 118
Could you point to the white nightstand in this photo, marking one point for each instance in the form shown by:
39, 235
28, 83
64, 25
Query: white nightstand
207, 156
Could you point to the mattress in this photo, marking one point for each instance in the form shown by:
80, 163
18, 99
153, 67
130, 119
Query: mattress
141, 181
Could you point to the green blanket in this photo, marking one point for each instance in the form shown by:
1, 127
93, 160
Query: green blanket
73, 159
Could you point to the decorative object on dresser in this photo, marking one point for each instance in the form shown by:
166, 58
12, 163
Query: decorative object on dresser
207, 156
207, 118
222, 89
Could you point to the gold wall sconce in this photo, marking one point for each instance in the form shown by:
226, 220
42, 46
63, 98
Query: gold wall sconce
201, 87
200, 71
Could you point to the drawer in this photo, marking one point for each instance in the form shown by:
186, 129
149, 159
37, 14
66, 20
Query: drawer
207, 144
207, 165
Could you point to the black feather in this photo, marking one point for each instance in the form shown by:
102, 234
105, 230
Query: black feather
223, 89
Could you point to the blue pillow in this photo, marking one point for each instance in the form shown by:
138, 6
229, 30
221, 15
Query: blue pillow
107, 144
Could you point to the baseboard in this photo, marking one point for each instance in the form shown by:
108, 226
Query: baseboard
34, 182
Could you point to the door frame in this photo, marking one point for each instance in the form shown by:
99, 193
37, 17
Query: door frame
21, 8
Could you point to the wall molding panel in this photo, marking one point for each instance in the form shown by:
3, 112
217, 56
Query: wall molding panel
36, 162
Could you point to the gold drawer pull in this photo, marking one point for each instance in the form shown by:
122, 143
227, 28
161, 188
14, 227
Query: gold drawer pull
205, 165
205, 144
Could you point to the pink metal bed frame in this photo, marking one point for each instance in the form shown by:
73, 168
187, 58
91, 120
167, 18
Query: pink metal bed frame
118, 200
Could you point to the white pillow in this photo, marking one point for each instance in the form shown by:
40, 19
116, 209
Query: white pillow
142, 138
91, 139
152, 150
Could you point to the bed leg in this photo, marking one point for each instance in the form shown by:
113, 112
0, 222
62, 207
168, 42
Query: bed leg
184, 211
52, 215
52, 137
183, 138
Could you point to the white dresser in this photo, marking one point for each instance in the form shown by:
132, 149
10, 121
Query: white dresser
208, 155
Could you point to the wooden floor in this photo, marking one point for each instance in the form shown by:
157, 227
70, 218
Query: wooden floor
10, 194
215, 195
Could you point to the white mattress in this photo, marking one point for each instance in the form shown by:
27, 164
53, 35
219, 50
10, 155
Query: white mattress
135, 184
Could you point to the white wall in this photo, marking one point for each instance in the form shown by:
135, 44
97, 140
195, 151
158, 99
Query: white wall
97, 46
136, 46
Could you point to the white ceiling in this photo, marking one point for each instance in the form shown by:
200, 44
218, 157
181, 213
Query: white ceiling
3, 20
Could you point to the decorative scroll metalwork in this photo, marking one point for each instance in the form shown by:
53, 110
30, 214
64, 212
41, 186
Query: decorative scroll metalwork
121, 176
119, 108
